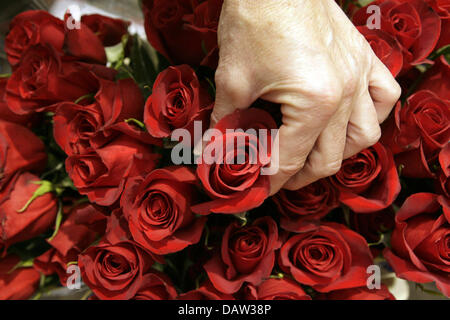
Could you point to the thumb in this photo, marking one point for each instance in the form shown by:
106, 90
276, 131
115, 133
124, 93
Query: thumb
231, 93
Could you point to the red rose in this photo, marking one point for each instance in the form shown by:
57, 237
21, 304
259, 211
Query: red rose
205, 292
83, 43
362, 293
436, 79
385, 47
177, 101
307, 205
368, 181
30, 28
444, 160
43, 79
330, 257
19, 284
247, 255
420, 243
109, 30
72, 238
417, 131
39, 216
20, 150
442, 8
178, 28
156, 286
276, 289
81, 128
101, 174
5, 113
157, 207
235, 185
116, 268
414, 25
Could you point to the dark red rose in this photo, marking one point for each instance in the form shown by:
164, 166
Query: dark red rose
30, 28
20, 150
39, 216
436, 79
247, 255
368, 181
183, 31
362, 293
178, 99
420, 243
385, 47
44, 79
442, 8
116, 268
205, 292
5, 113
82, 42
417, 131
444, 161
72, 238
158, 210
80, 128
109, 30
230, 168
276, 289
330, 257
414, 25
102, 173
19, 284
305, 206
156, 286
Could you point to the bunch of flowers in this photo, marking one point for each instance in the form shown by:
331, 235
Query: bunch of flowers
92, 116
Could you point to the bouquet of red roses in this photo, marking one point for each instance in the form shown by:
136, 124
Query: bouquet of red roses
109, 176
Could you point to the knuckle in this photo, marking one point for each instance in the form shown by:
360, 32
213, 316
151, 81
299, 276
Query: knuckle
290, 169
370, 137
328, 169
394, 92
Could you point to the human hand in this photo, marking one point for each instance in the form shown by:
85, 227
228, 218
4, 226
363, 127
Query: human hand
307, 56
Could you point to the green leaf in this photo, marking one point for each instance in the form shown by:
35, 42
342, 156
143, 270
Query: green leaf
138, 123
143, 63
45, 187
5, 75
59, 217
22, 264
89, 96
243, 217
445, 50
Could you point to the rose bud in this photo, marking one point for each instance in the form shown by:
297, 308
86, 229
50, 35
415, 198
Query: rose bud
156, 286
177, 29
420, 243
232, 178
362, 293
385, 47
417, 132
102, 173
80, 128
414, 25
20, 150
21, 219
72, 239
178, 99
205, 292
158, 210
329, 257
30, 28
44, 79
276, 289
247, 255
17, 284
368, 181
109, 30
307, 205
